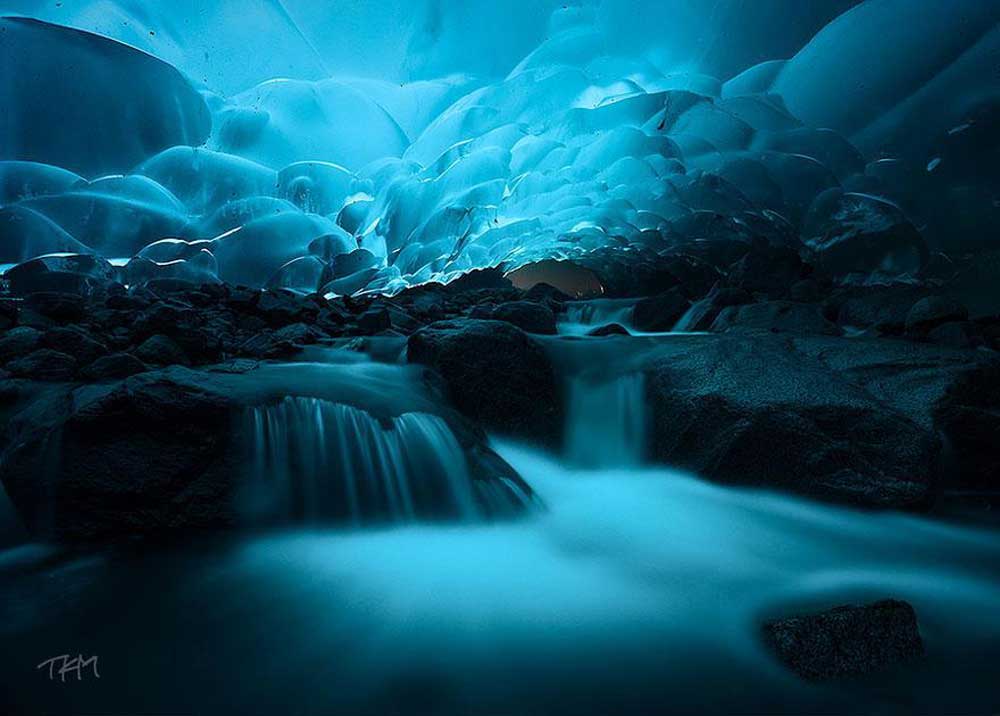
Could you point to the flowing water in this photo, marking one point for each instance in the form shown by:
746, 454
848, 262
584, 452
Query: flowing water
638, 590
583, 316
314, 460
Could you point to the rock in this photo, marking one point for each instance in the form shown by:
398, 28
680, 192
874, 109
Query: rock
611, 329
702, 314
142, 457
8, 315
63, 307
297, 333
955, 334
933, 311
883, 307
127, 302
767, 270
776, 317
805, 291
846, 641
967, 414
527, 315
163, 454
74, 341
162, 350
44, 364
495, 374
267, 345
114, 366
862, 233
976, 283
721, 404
280, 308
658, 314
83, 274
374, 320
19, 342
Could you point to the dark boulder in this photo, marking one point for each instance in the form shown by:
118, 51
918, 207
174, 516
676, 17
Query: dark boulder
83, 274
526, 315
883, 307
967, 415
8, 315
63, 307
657, 314
74, 341
847, 641
495, 374
933, 311
162, 350
114, 367
775, 317
138, 458
754, 410
44, 364
957, 334
768, 270
862, 233
19, 342
374, 320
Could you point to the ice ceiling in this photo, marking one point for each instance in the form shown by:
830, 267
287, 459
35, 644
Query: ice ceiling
356, 146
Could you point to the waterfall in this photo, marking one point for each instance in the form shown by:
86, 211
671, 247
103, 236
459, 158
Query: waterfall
606, 422
582, 316
314, 460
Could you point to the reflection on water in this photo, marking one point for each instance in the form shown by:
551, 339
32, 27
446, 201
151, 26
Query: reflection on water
637, 591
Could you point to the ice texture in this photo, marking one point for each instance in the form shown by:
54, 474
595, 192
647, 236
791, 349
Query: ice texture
341, 152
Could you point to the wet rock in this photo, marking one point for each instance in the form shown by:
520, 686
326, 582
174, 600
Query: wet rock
660, 313
526, 315
776, 317
703, 313
611, 329
495, 374
62, 307
44, 364
19, 342
161, 350
720, 404
933, 311
114, 366
847, 641
297, 333
267, 345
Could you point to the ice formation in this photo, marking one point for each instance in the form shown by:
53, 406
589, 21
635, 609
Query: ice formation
600, 135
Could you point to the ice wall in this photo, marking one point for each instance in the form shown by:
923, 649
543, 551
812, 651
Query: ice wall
386, 144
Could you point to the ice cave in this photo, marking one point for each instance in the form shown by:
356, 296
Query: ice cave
499, 359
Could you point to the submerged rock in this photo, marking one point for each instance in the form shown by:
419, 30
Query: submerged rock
846, 641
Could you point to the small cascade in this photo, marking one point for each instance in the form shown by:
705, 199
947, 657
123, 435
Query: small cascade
313, 460
606, 422
582, 316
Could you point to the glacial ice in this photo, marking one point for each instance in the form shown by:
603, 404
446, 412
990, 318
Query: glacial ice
600, 136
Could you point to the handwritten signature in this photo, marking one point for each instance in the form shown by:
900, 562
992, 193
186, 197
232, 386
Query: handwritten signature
69, 664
